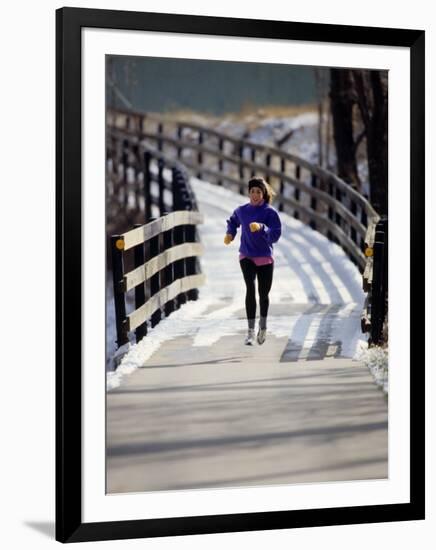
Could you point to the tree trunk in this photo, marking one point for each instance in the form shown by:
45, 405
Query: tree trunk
319, 91
342, 98
328, 140
320, 147
371, 88
378, 145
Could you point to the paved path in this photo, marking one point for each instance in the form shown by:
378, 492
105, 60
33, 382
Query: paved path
206, 411
239, 416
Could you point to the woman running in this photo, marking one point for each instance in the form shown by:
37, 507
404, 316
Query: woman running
260, 228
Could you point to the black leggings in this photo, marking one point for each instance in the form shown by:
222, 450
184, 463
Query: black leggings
264, 279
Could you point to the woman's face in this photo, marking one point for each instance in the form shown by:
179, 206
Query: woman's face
256, 195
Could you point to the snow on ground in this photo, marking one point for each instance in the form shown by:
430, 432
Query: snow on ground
272, 128
376, 359
316, 298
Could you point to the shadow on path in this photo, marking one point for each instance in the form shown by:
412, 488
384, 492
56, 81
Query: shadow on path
266, 479
329, 432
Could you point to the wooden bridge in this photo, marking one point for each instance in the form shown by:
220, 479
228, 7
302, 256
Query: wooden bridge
207, 411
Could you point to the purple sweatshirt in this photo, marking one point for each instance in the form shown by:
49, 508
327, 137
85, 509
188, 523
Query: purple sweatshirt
258, 243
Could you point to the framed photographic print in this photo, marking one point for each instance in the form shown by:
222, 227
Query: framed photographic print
240, 275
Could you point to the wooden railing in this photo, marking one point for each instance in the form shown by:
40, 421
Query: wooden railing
165, 273
304, 190
375, 282
158, 259
141, 183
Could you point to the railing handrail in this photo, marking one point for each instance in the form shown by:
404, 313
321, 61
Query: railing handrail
318, 193
326, 191
326, 175
145, 232
144, 272
165, 294
165, 250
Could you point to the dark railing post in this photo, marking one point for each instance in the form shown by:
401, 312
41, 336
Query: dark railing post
241, 167
314, 184
168, 272
125, 167
379, 282
182, 201
141, 121
253, 160
117, 175
178, 189
147, 187
297, 190
364, 221
328, 186
331, 193
179, 138
220, 160
200, 154
179, 265
268, 165
385, 271
161, 183
191, 262
135, 151
180, 238
338, 217
160, 130
147, 283
353, 232
174, 187
182, 192
139, 260
119, 296
155, 279
313, 201
282, 182
179, 268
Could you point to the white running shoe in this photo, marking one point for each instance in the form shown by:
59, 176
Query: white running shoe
249, 340
261, 335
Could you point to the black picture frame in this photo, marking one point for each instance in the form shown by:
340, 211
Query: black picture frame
69, 524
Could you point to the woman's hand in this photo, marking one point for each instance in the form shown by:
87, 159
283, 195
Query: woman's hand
228, 238
254, 226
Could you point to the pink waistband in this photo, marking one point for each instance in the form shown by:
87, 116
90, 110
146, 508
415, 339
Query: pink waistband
259, 260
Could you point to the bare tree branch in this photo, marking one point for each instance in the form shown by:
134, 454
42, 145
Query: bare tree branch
359, 138
362, 97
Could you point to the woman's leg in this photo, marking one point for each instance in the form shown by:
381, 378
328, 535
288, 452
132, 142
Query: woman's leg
264, 279
249, 272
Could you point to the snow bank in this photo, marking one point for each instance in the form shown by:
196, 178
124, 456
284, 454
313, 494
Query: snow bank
376, 359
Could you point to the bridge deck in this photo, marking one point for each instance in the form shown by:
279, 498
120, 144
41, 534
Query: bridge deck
238, 416
207, 411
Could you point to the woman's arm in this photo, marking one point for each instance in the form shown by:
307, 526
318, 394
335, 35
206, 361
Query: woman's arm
233, 223
273, 228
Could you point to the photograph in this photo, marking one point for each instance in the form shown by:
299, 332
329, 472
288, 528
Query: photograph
247, 274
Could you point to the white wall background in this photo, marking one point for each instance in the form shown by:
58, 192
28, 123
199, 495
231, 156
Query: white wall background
27, 218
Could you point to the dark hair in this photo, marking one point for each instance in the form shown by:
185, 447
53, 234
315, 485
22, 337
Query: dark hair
267, 191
